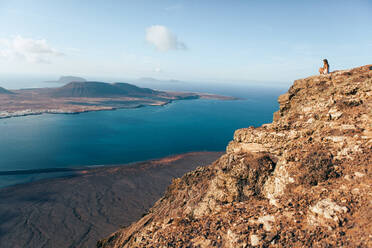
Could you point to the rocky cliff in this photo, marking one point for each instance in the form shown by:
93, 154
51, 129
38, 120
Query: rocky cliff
303, 180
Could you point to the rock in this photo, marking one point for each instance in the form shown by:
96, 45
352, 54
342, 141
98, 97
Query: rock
302, 181
255, 240
327, 209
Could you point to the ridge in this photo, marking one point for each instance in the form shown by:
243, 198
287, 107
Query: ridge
303, 180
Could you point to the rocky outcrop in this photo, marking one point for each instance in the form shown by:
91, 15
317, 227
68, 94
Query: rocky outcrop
303, 180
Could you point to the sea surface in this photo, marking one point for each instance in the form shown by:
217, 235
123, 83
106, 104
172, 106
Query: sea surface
128, 135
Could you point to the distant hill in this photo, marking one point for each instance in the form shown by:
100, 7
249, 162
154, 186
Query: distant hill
5, 91
154, 80
68, 79
133, 89
171, 84
100, 89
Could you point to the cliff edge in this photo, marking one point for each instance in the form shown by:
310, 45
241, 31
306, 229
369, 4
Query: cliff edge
303, 180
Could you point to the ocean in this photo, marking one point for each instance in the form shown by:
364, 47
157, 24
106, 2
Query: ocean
127, 135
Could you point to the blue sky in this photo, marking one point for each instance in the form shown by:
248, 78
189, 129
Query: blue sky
276, 41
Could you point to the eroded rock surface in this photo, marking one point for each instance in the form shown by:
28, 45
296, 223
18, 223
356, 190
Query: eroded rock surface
304, 180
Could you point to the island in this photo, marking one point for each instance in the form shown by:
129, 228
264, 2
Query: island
83, 96
67, 79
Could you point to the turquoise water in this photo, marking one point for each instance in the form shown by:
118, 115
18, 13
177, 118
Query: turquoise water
126, 135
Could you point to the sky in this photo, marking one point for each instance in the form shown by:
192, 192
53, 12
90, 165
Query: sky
221, 41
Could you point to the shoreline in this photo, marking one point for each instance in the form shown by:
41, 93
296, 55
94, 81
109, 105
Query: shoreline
29, 112
91, 169
166, 159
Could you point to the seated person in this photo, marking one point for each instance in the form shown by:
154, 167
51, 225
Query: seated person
325, 68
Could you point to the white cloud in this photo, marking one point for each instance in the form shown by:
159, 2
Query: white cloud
33, 51
163, 39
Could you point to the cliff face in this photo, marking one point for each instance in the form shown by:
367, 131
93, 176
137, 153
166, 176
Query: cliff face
303, 180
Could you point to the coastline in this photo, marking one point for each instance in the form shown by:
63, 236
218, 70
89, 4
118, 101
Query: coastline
96, 168
27, 112
5, 114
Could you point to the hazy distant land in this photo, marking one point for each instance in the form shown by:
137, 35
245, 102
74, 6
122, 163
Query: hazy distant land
83, 96
68, 79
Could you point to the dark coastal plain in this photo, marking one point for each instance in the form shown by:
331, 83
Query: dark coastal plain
78, 210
